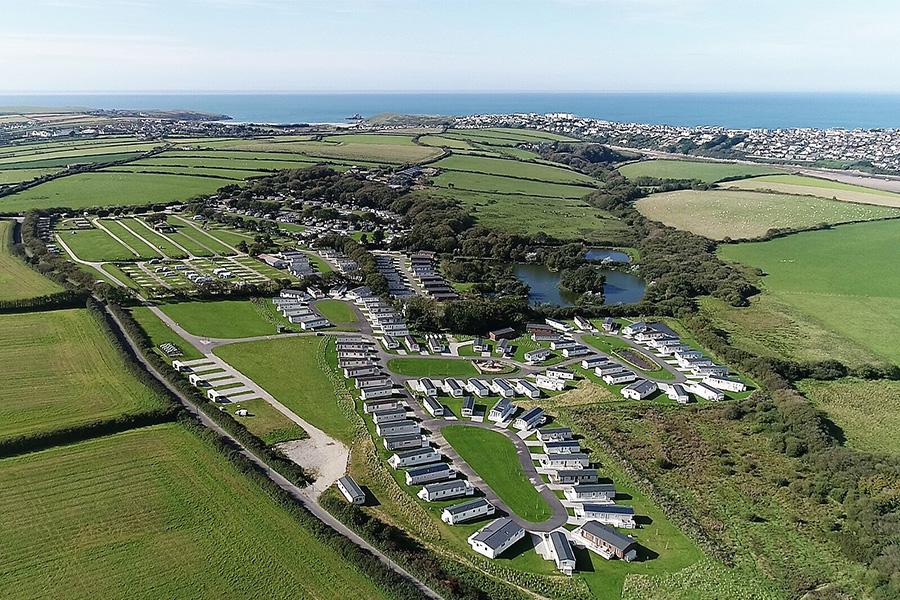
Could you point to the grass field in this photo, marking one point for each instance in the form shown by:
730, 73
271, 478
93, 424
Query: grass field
95, 245
336, 311
513, 168
110, 189
799, 184
265, 422
480, 182
127, 235
160, 333
8, 176
610, 345
868, 412
705, 171
720, 214
293, 371
494, 458
371, 151
840, 278
17, 280
432, 367
155, 513
220, 319
59, 370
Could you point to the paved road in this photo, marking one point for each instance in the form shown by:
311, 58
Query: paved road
303, 495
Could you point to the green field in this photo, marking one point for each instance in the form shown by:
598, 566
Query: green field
705, 171
60, 370
127, 235
353, 150
294, 372
479, 182
265, 422
9, 176
513, 168
200, 236
494, 458
155, 513
110, 189
17, 280
799, 184
160, 333
230, 319
868, 412
432, 367
840, 278
720, 214
95, 245
336, 311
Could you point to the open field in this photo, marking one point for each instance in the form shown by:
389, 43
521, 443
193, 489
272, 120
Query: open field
160, 333
59, 370
95, 245
839, 278
265, 422
155, 513
494, 458
229, 319
813, 186
868, 412
336, 311
479, 182
720, 214
127, 235
20, 175
705, 171
199, 236
432, 367
17, 280
293, 371
110, 189
513, 168
375, 150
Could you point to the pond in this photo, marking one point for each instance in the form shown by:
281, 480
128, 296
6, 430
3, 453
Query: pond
606, 255
620, 288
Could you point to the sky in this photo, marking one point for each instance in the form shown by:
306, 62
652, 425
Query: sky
449, 45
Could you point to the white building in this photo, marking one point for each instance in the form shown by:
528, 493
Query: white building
723, 383
467, 511
351, 490
496, 537
614, 515
639, 390
445, 490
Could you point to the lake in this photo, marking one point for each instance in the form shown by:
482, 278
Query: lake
620, 288
605, 254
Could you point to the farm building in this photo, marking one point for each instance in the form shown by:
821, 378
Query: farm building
572, 460
606, 541
599, 492
468, 407
560, 551
554, 435
495, 537
574, 476
445, 490
530, 419
434, 407
502, 410
608, 514
416, 456
639, 390
402, 442
466, 511
434, 472
351, 490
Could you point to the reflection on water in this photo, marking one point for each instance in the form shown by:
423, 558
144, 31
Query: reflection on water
620, 288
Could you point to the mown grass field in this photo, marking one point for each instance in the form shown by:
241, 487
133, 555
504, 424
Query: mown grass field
229, 319
480, 182
17, 280
336, 311
294, 371
8, 176
799, 184
720, 214
494, 458
59, 370
705, 171
155, 513
96, 245
110, 189
265, 422
432, 367
841, 278
868, 412
160, 333
513, 168
373, 150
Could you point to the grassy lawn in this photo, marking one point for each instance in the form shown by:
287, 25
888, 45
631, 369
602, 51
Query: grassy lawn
156, 513
737, 214
127, 235
336, 311
110, 189
610, 345
220, 319
839, 278
293, 371
481, 182
512, 168
494, 458
265, 422
198, 234
868, 412
799, 184
432, 367
160, 333
705, 171
60, 370
17, 280
95, 245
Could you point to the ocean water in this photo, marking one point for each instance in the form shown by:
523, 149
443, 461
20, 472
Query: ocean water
729, 110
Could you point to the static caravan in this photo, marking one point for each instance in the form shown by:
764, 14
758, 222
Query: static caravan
468, 407
560, 551
562, 447
639, 390
676, 392
591, 492
561, 373
606, 541
383, 391
723, 383
388, 415
607, 368
479, 388
502, 410
361, 371
706, 392
608, 514
574, 460
372, 406
503, 388
351, 490
619, 377
403, 427
574, 476
434, 472
563, 343
527, 389
466, 511
414, 457
427, 387
554, 435
434, 407
574, 351
372, 381
594, 361
496, 537
537, 356
558, 325
403, 442
530, 419
545, 382
479, 345
453, 388
445, 490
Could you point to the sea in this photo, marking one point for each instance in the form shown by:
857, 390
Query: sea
734, 110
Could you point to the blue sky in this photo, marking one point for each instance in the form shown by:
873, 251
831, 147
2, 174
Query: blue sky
449, 45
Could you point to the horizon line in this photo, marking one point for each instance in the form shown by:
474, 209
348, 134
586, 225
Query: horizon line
438, 92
